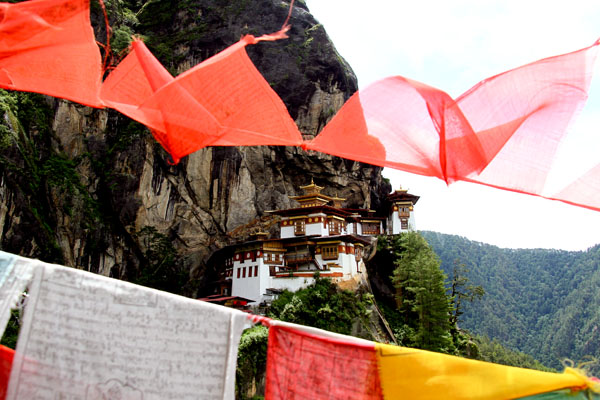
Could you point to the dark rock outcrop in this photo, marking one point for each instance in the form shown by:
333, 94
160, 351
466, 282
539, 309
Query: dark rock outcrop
81, 187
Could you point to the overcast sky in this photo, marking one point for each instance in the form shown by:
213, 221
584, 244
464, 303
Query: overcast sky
452, 45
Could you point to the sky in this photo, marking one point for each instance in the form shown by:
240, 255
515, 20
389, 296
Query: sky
452, 45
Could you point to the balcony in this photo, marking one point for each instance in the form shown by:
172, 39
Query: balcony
334, 230
371, 231
299, 258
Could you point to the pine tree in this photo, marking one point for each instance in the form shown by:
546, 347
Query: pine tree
461, 290
421, 295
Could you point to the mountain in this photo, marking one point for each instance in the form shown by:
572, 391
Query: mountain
545, 303
92, 189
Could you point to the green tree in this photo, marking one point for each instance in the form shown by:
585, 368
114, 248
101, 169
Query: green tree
160, 269
322, 305
421, 295
461, 290
251, 361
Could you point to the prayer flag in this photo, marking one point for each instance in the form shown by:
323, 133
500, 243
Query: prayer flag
223, 101
48, 47
306, 362
88, 336
509, 131
6, 357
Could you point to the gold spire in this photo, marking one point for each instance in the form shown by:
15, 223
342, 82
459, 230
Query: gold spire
312, 195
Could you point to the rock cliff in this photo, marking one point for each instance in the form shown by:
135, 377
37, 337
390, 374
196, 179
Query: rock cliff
91, 189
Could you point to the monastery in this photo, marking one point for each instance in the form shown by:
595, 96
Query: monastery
319, 236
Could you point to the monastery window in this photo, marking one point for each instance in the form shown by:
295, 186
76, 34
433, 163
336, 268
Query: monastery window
239, 270
256, 270
370, 228
404, 211
299, 227
243, 272
404, 223
335, 227
329, 252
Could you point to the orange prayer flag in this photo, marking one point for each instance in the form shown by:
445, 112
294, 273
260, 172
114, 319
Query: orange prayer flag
223, 101
48, 47
137, 77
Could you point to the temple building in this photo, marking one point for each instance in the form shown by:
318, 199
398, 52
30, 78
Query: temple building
402, 216
319, 236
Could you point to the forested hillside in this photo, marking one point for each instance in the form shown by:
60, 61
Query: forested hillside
542, 302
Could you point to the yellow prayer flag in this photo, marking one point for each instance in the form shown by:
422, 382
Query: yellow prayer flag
418, 374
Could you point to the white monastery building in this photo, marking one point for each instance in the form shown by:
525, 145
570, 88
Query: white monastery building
319, 236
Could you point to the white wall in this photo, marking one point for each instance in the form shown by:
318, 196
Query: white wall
292, 284
287, 231
316, 228
397, 224
358, 228
412, 224
248, 287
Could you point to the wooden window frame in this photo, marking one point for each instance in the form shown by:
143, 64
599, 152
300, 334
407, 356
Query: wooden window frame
299, 227
330, 252
335, 227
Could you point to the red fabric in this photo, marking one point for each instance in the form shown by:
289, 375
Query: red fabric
223, 101
48, 47
6, 358
504, 132
304, 366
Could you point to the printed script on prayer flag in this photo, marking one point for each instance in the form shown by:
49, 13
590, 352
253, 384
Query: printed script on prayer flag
85, 336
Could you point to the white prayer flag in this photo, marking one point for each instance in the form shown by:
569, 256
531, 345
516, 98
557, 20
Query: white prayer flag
85, 336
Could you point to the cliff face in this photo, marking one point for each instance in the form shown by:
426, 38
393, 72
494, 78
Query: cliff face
91, 188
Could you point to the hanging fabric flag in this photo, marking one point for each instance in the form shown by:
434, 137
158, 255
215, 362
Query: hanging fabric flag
307, 363
414, 374
48, 47
508, 131
223, 101
6, 357
88, 336
15, 275
302, 364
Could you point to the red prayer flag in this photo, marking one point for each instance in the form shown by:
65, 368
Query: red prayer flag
6, 359
505, 132
301, 365
48, 47
223, 101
